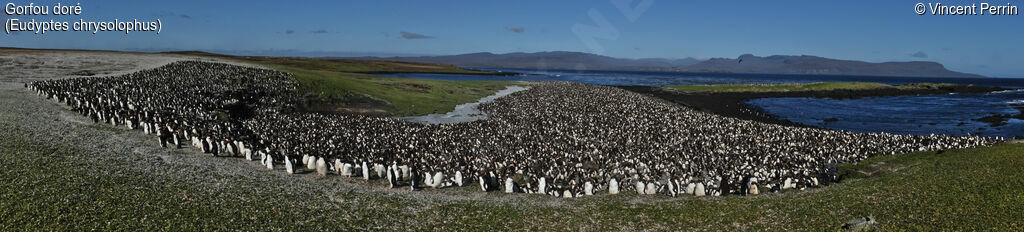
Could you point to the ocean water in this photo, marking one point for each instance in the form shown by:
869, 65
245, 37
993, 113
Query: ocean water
949, 114
654, 78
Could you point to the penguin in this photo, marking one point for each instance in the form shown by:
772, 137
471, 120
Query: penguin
542, 186
672, 190
366, 172
651, 189
206, 146
391, 177
288, 166
640, 188
725, 187
745, 186
305, 159
177, 144
414, 179
213, 146
438, 179
379, 169
509, 185
222, 148
613, 186
691, 188
269, 162
752, 189
321, 167
428, 180
346, 170
162, 138
238, 144
310, 162
395, 171
699, 190
405, 171
492, 181
458, 178
338, 167
588, 189
483, 183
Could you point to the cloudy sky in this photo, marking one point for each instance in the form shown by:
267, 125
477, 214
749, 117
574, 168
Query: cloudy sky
873, 31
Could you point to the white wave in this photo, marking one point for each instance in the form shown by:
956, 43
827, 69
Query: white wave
1009, 91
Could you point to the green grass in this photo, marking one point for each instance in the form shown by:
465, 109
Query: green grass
359, 66
925, 86
344, 85
54, 187
330, 84
781, 87
399, 96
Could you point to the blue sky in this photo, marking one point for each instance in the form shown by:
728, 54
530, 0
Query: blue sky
873, 31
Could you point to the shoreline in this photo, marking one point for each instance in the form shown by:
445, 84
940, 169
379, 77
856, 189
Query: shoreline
734, 104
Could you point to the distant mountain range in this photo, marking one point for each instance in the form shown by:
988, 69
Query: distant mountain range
548, 60
819, 65
743, 64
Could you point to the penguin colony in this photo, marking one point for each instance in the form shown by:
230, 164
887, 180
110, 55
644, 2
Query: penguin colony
560, 139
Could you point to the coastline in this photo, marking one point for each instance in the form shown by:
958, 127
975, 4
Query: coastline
733, 104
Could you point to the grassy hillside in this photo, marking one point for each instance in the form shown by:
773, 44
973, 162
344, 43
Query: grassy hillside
348, 86
345, 65
362, 66
820, 86
57, 187
397, 96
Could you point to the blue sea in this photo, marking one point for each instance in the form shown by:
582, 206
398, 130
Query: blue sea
949, 114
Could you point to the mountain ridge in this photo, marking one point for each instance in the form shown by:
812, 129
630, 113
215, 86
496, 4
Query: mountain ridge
805, 64
546, 60
747, 63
